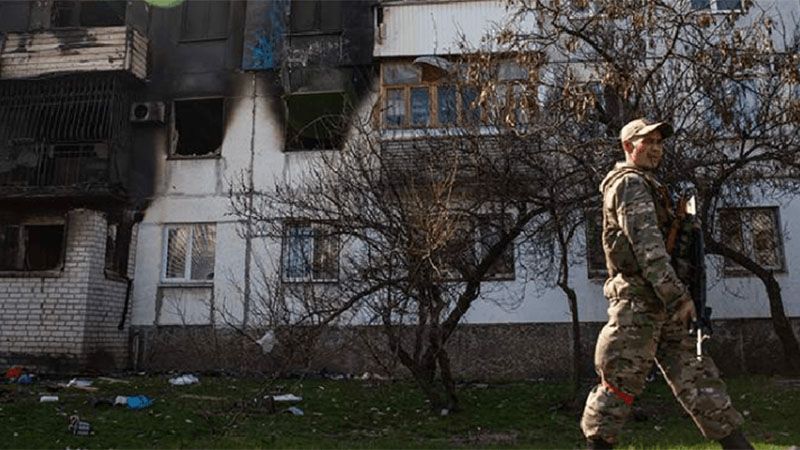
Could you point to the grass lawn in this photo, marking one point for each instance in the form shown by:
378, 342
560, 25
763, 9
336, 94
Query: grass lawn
220, 412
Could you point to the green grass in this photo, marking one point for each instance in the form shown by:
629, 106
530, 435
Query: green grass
368, 414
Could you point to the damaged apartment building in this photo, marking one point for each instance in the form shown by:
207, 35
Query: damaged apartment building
124, 126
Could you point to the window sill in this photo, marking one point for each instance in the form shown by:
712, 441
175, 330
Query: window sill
114, 276
55, 273
297, 282
174, 157
186, 284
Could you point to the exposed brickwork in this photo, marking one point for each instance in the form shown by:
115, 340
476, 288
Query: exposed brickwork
67, 319
495, 352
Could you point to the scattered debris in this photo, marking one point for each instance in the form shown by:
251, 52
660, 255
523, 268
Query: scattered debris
79, 427
98, 402
139, 402
294, 410
84, 385
13, 373
184, 380
48, 398
372, 376
444, 412
25, 378
121, 400
287, 398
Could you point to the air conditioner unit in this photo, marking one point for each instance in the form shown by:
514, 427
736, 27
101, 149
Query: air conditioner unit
148, 112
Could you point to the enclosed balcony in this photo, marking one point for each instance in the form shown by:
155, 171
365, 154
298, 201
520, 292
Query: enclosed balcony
64, 137
69, 50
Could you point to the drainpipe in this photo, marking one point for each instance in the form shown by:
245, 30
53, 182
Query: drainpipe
248, 243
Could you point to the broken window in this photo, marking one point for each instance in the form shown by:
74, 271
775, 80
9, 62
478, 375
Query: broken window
88, 13
315, 120
189, 252
204, 20
198, 126
69, 164
595, 255
31, 247
755, 232
321, 16
310, 253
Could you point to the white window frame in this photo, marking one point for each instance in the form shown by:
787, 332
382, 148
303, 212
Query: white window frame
309, 276
714, 8
187, 270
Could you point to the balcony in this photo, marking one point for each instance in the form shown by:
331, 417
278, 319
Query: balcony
70, 50
65, 136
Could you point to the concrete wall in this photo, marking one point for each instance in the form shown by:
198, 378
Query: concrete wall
67, 319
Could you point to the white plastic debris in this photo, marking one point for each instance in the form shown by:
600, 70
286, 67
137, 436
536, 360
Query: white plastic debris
78, 383
184, 380
121, 400
286, 398
295, 411
267, 341
48, 398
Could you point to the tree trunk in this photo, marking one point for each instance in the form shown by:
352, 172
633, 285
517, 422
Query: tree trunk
577, 354
781, 324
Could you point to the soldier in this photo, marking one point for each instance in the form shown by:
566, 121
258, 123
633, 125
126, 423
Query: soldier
649, 307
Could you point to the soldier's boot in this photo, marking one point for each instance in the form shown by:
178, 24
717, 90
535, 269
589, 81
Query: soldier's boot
597, 444
735, 441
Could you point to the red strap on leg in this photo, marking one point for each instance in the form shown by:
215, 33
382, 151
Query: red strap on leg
627, 398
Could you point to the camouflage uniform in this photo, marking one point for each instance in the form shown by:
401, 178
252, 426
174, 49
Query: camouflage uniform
643, 292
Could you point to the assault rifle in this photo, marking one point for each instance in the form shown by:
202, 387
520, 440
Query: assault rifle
685, 245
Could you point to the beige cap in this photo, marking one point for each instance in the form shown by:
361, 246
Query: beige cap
639, 127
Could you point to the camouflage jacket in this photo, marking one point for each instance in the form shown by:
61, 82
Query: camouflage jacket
636, 219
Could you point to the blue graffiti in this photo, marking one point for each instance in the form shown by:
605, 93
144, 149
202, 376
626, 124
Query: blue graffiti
264, 54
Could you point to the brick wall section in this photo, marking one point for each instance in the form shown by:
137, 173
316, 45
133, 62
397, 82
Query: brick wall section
56, 322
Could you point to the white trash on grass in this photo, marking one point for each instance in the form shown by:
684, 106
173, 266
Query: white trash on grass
184, 380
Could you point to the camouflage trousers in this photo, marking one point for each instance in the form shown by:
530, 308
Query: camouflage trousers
638, 332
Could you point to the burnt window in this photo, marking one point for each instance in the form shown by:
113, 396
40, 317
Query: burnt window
205, 20
198, 126
321, 16
88, 13
756, 233
30, 247
315, 121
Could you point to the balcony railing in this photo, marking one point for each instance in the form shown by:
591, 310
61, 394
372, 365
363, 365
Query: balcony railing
97, 49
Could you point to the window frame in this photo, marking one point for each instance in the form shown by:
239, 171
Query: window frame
731, 269
187, 270
22, 245
77, 6
184, 16
713, 8
309, 276
593, 219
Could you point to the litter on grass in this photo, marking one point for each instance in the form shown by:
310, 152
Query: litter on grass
184, 380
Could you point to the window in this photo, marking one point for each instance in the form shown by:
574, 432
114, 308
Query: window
755, 232
717, 5
321, 16
411, 102
198, 127
30, 247
310, 253
204, 20
489, 232
315, 120
189, 252
88, 13
595, 255
471, 242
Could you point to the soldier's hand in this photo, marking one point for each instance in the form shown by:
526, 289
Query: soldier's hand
685, 311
